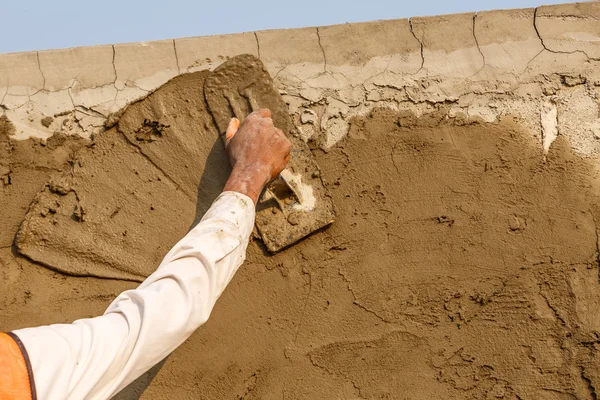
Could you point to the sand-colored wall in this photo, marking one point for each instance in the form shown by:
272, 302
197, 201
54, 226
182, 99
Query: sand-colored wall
460, 265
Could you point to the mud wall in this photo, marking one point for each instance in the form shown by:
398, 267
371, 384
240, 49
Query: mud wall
461, 152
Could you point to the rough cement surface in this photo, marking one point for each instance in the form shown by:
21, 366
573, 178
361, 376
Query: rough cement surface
461, 265
25, 168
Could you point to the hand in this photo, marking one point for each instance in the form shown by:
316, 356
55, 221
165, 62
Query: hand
258, 153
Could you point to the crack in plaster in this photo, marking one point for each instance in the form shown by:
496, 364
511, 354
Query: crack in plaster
176, 57
322, 50
41, 72
74, 107
114, 56
114, 50
257, 45
69, 91
380, 85
477, 44
287, 64
410, 24
533, 59
128, 82
535, 27
43, 89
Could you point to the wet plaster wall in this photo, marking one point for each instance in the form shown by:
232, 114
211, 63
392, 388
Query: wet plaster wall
461, 152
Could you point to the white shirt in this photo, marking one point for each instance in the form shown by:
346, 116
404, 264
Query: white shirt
97, 357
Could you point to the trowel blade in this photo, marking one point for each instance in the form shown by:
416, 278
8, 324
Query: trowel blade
298, 203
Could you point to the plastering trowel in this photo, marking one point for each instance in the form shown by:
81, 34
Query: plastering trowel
296, 204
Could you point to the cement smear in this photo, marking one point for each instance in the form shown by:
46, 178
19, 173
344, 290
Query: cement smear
461, 265
131, 195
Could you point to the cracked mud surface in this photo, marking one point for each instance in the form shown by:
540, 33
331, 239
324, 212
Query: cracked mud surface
461, 266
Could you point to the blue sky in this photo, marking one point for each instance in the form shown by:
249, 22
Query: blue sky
41, 24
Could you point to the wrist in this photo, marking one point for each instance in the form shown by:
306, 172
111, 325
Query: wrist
249, 181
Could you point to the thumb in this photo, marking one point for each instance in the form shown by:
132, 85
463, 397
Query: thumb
232, 128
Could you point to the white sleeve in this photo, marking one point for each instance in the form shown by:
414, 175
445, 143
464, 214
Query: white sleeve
95, 358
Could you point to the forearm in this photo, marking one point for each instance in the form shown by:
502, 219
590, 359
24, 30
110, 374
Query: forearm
95, 358
249, 180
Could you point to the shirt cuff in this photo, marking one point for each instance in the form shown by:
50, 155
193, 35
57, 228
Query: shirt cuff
236, 208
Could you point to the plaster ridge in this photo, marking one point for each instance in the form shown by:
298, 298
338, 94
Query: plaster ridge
597, 243
304, 307
322, 50
52, 268
573, 17
590, 385
89, 111
78, 122
410, 24
333, 373
555, 310
392, 154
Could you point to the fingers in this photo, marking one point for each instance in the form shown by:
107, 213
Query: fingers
287, 147
263, 113
232, 128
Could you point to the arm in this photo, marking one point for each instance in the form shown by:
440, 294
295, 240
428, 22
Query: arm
97, 357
